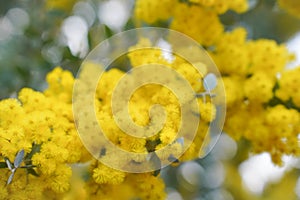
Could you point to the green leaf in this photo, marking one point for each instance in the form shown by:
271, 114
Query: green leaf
3, 165
151, 144
108, 31
129, 25
35, 149
32, 172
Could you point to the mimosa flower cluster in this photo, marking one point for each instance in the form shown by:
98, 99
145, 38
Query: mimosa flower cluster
258, 86
42, 125
262, 99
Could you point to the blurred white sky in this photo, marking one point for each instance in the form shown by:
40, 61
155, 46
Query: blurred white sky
294, 46
259, 170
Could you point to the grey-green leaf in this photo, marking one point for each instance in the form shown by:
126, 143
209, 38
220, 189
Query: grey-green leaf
8, 163
35, 149
19, 158
210, 82
156, 163
10, 178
